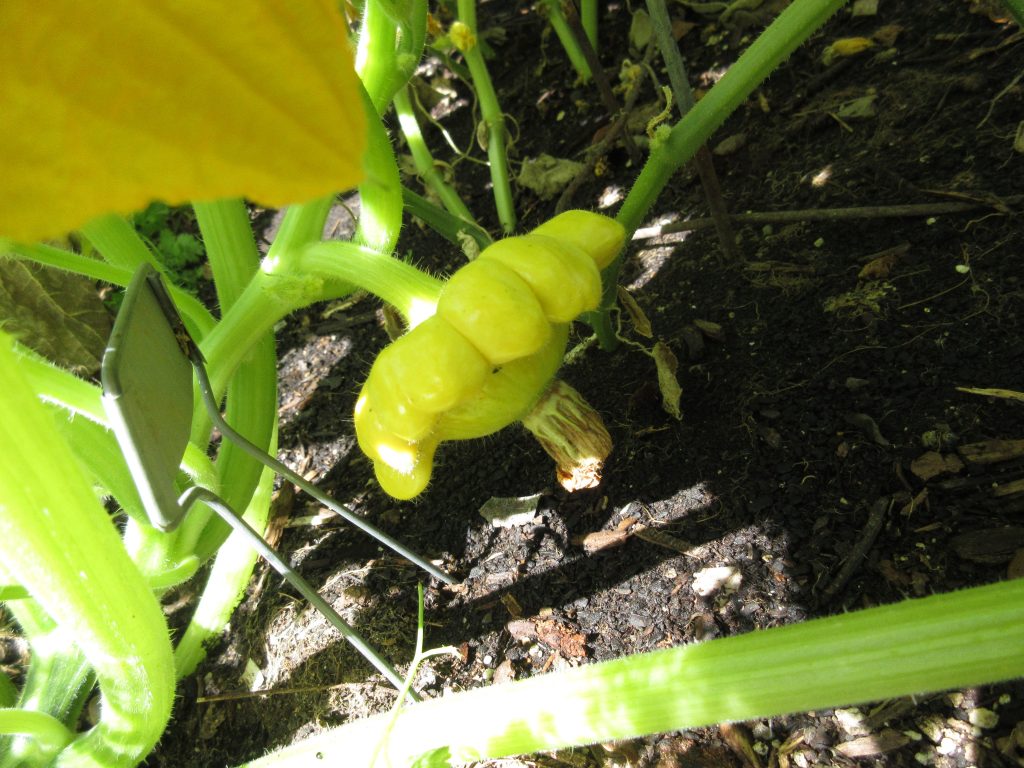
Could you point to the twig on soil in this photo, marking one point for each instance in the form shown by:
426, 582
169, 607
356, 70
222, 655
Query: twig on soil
825, 214
876, 518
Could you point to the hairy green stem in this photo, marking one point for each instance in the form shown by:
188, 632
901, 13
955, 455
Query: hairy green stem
493, 118
380, 193
58, 541
252, 392
409, 290
451, 228
794, 25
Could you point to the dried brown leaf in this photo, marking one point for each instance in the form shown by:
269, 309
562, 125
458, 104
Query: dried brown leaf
932, 464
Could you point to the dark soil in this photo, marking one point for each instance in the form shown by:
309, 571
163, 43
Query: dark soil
829, 398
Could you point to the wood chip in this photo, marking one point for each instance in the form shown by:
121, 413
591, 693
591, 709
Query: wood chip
932, 464
876, 744
515, 610
991, 451
601, 540
989, 545
557, 635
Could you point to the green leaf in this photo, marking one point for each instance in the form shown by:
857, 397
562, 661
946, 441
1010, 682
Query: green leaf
57, 314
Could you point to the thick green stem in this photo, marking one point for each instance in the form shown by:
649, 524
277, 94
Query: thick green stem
390, 46
380, 193
775, 44
967, 638
58, 541
493, 117
227, 581
411, 291
252, 393
119, 243
230, 246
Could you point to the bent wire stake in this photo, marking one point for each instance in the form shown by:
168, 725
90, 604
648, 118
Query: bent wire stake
210, 403
214, 502
147, 394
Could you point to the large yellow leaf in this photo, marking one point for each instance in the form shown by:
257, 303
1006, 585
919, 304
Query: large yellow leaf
109, 104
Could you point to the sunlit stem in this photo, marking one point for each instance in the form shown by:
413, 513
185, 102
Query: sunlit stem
252, 392
49, 732
775, 44
380, 192
58, 541
424, 160
963, 639
494, 119
411, 291
227, 581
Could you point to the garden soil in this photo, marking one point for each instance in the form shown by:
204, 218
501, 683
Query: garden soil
825, 454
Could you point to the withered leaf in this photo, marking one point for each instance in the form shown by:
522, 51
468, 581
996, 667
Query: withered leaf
873, 745
1006, 394
556, 635
671, 392
636, 315
712, 330
55, 313
879, 267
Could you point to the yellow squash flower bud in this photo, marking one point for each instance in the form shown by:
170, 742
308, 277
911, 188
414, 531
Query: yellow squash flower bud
483, 360
564, 278
600, 237
495, 309
434, 366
